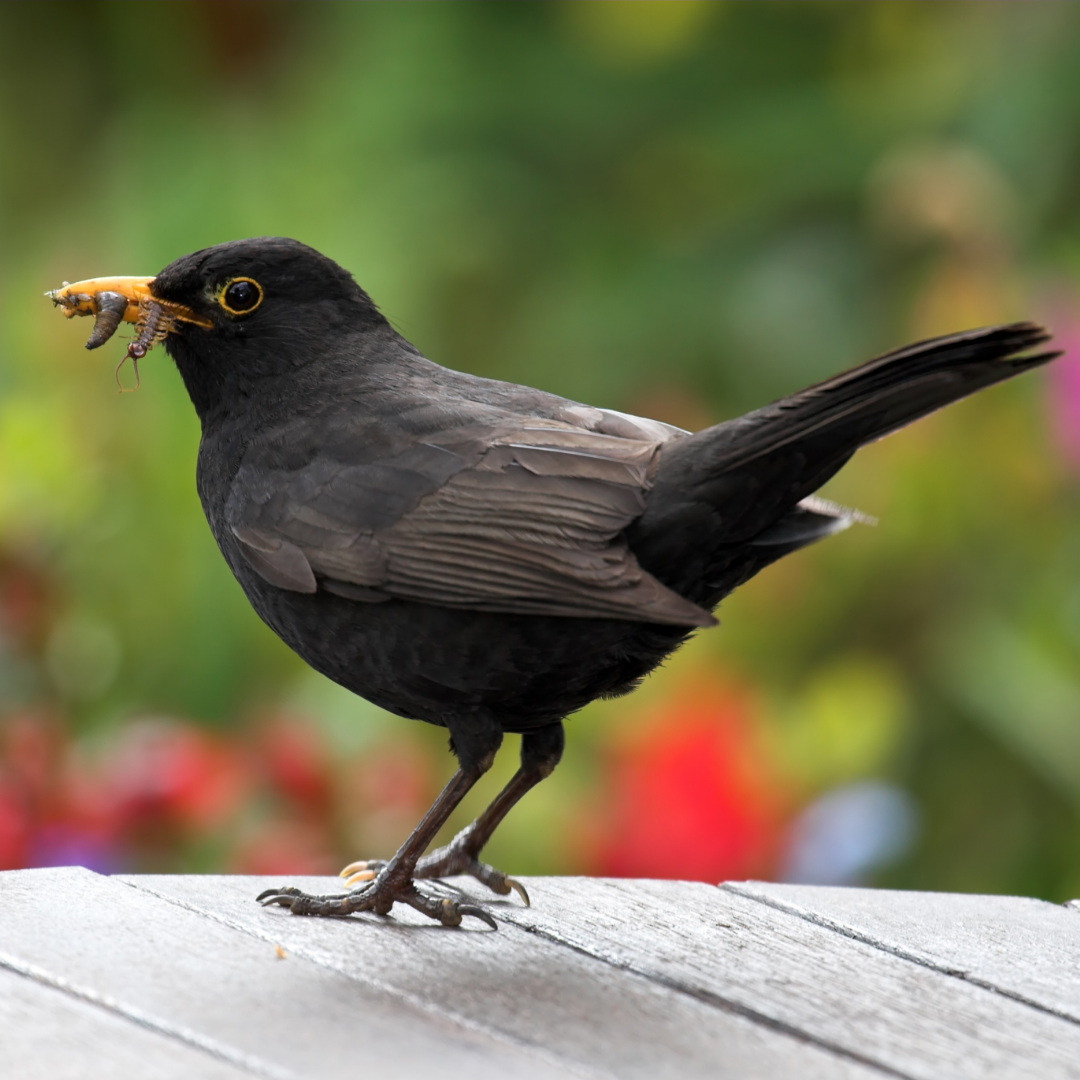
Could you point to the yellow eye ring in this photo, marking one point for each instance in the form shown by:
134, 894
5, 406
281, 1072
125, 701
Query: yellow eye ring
240, 295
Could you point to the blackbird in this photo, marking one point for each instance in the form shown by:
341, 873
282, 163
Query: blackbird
471, 553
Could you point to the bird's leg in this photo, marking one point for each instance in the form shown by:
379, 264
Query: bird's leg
394, 881
540, 753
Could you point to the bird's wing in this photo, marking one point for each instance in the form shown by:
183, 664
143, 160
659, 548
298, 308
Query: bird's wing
526, 518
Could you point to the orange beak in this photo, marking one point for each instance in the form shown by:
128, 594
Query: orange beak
113, 300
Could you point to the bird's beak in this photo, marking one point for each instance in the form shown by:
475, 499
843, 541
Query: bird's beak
113, 300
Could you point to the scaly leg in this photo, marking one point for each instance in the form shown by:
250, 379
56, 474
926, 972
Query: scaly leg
394, 881
540, 753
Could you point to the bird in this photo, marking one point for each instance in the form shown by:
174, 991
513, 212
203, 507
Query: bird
476, 554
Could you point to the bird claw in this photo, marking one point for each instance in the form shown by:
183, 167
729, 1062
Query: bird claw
477, 913
455, 858
362, 864
378, 896
362, 870
284, 896
495, 880
358, 879
520, 890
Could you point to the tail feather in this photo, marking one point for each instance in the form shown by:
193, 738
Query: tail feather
808, 520
741, 488
880, 396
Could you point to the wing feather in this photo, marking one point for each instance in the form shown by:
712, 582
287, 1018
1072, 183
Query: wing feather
526, 519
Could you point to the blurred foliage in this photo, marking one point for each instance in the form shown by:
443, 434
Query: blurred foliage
683, 209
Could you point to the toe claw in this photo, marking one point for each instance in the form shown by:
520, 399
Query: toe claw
478, 913
519, 889
269, 895
277, 898
363, 875
353, 868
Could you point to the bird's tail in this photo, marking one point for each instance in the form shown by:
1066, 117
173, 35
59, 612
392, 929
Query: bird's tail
737, 481
878, 397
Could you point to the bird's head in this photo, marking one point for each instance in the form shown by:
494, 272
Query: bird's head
231, 316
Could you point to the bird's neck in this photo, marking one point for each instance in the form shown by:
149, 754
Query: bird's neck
275, 380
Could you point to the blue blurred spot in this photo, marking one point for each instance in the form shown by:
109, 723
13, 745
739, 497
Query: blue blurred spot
56, 845
848, 832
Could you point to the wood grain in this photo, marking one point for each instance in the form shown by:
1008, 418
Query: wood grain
47, 1034
1024, 948
160, 976
522, 987
226, 993
785, 970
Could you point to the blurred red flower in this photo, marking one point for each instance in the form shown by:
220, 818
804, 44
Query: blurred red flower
163, 793
284, 847
164, 769
382, 794
13, 828
692, 794
294, 761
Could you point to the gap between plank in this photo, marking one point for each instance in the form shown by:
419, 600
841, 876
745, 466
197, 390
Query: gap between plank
707, 997
221, 1051
704, 996
895, 950
534, 1050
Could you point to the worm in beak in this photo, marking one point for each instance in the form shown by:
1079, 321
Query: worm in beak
110, 313
123, 299
153, 324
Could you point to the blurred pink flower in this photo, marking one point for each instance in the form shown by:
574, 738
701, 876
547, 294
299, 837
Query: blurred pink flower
1063, 382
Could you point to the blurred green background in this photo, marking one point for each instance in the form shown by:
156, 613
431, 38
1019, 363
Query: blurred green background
681, 208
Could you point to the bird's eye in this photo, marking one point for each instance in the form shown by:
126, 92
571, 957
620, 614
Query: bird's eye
240, 296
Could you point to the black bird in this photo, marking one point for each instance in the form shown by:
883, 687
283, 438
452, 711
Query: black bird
479, 555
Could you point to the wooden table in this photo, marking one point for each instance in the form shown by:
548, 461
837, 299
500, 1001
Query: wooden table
187, 977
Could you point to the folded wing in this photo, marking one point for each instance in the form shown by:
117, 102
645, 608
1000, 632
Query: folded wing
524, 519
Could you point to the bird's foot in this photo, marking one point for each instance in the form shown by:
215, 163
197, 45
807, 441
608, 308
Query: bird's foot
457, 857
379, 895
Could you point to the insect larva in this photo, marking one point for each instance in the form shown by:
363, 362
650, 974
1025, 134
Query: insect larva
110, 308
154, 323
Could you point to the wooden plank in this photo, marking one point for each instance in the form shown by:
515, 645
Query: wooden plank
47, 1034
840, 992
524, 986
1025, 948
228, 994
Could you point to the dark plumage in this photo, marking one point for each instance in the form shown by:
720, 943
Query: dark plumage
482, 555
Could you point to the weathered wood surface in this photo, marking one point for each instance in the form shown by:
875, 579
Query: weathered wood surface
182, 976
1012, 944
